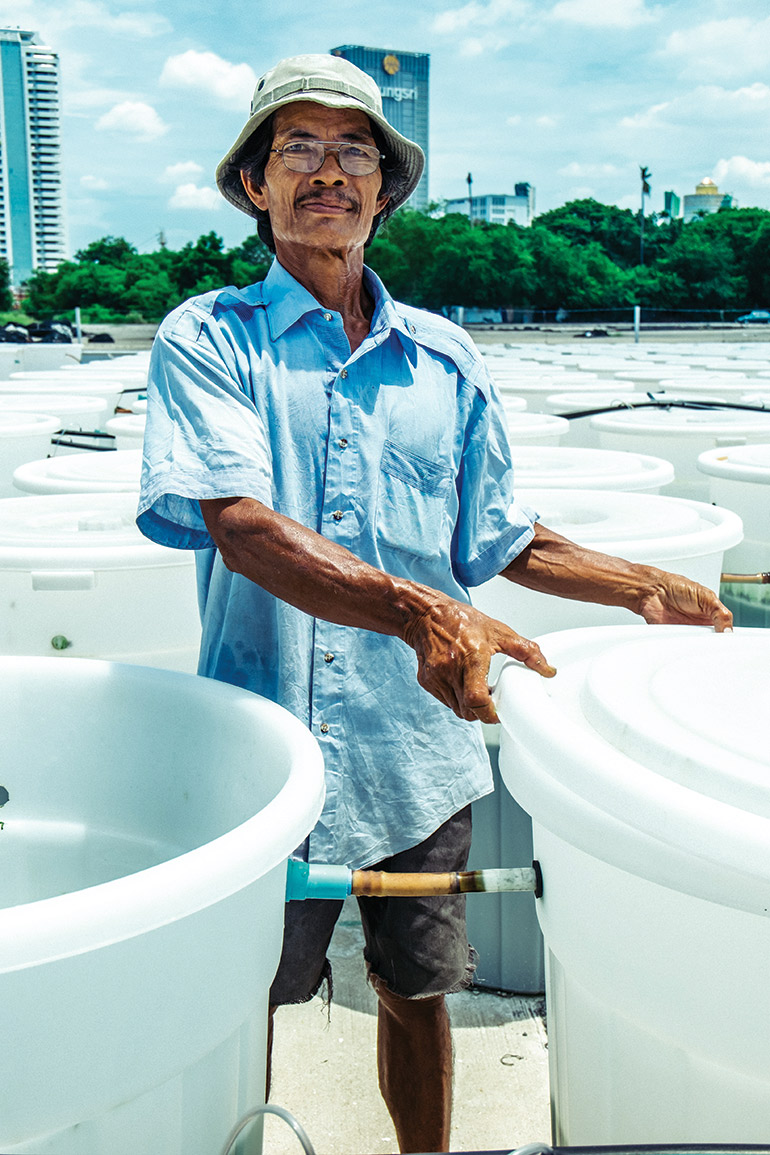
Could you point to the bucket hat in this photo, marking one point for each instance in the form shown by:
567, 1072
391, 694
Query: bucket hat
336, 83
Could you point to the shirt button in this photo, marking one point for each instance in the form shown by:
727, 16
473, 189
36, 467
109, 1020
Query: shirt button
324, 727
337, 515
327, 316
343, 442
343, 373
328, 657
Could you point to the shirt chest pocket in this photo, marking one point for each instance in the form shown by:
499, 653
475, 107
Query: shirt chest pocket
411, 502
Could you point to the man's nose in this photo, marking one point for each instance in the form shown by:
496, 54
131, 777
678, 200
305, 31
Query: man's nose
330, 171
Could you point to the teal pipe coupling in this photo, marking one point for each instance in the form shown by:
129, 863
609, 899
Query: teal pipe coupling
316, 880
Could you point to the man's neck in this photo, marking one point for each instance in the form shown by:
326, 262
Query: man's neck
336, 281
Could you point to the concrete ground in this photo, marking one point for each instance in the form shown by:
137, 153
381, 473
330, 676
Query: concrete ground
324, 1069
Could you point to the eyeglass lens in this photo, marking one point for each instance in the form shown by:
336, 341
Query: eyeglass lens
309, 156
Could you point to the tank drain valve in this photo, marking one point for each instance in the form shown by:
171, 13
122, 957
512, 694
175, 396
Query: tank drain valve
317, 880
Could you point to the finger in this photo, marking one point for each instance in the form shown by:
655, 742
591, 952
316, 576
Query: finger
529, 654
722, 619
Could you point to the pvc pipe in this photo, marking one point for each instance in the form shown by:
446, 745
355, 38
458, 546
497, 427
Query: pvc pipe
746, 578
316, 880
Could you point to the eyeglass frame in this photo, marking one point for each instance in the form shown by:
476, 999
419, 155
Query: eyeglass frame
330, 146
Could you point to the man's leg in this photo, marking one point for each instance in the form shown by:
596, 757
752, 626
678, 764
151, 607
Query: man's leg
414, 1060
307, 931
417, 951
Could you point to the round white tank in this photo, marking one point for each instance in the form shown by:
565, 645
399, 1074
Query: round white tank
580, 432
78, 578
535, 428
110, 390
74, 412
644, 764
680, 435
560, 467
142, 885
88, 472
127, 429
682, 536
23, 437
739, 477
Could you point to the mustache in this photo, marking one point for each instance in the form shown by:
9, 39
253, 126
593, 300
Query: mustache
330, 197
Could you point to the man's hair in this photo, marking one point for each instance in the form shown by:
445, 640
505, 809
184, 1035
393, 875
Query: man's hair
254, 162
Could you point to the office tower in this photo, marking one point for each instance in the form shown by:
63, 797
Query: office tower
402, 78
32, 233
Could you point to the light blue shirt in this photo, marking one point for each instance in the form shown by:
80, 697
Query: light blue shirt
397, 451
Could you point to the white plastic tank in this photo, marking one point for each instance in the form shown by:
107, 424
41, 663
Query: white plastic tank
535, 428
564, 466
580, 432
680, 435
116, 470
23, 437
74, 412
684, 537
143, 855
738, 477
645, 766
77, 578
127, 429
109, 389
36, 355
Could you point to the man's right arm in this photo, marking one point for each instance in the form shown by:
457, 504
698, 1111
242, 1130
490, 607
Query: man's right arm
454, 642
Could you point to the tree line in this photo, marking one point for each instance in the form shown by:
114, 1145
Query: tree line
582, 256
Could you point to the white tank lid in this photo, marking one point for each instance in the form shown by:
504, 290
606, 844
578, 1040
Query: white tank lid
636, 525
649, 750
680, 422
21, 424
535, 422
737, 463
58, 404
90, 471
556, 466
127, 425
575, 402
77, 530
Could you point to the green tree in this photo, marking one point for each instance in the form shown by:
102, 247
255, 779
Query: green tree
6, 294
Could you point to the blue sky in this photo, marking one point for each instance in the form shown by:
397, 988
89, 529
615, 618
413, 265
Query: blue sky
570, 95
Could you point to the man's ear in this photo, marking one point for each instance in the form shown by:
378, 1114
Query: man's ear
254, 191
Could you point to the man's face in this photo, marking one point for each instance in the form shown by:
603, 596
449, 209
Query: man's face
328, 209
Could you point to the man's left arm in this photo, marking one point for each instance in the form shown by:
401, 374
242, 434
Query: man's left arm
552, 564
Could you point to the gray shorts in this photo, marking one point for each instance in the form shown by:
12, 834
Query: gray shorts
416, 946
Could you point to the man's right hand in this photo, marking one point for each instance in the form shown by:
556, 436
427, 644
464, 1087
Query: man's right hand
455, 644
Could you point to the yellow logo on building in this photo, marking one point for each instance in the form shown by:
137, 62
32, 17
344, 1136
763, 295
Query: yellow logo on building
391, 64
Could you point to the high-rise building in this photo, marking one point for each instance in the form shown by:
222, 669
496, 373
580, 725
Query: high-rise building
402, 78
32, 232
498, 208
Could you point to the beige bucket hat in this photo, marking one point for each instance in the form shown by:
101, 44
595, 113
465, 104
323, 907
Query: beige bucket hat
334, 82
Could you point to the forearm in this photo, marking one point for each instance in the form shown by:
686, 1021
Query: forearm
309, 571
554, 565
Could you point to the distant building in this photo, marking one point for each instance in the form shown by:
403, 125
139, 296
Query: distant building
498, 208
706, 199
403, 80
32, 232
672, 205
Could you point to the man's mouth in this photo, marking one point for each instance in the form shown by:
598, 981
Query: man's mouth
325, 203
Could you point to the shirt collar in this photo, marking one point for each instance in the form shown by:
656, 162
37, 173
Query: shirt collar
287, 301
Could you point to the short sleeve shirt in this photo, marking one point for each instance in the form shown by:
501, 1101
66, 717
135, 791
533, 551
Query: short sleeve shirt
397, 451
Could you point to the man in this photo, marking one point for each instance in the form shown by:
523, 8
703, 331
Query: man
341, 463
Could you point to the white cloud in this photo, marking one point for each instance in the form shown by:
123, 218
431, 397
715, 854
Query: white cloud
133, 118
739, 170
576, 170
720, 49
648, 118
545, 122
479, 15
191, 196
94, 183
174, 173
601, 14
707, 104
55, 19
230, 84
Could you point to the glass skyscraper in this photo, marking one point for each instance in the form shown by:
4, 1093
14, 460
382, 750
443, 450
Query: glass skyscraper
32, 233
402, 78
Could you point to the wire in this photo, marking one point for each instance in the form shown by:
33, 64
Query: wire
268, 1109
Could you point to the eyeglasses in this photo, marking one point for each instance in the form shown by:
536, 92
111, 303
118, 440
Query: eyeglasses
310, 155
